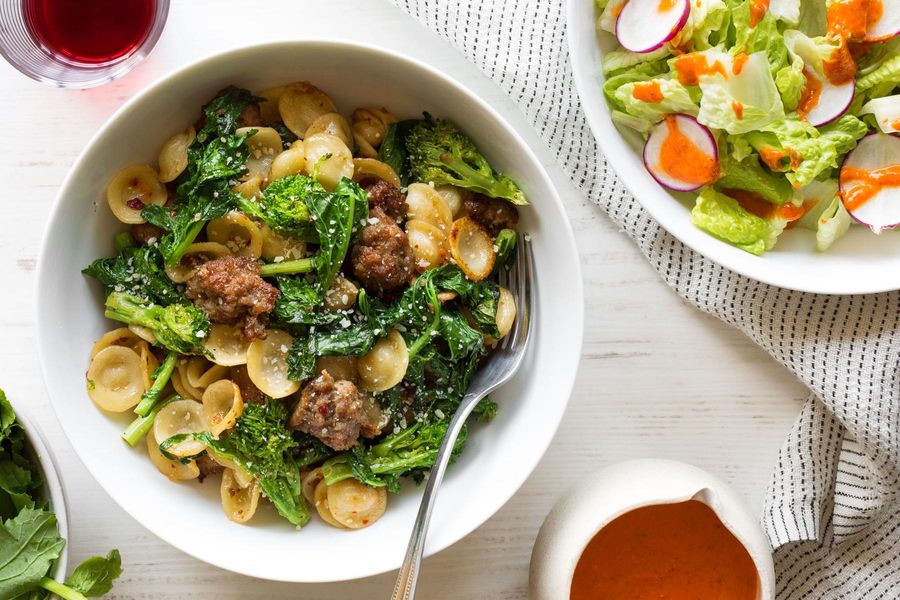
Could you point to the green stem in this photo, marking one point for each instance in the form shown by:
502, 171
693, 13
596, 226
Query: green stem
123, 240
193, 231
140, 426
163, 374
61, 590
288, 267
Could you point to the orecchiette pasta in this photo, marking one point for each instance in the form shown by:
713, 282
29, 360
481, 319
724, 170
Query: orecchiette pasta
200, 373
425, 204
301, 104
339, 367
341, 295
290, 162
472, 248
355, 505
195, 254
121, 336
267, 366
133, 188
384, 366
278, 247
264, 146
331, 124
144, 333
178, 417
173, 469
328, 158
249, 187
428, 244
268, 109
320, 500
369, 127
182, 388
506, 312
116, 378
369, 168
236, 232
227, 345
173, 158
222, 406
454, 197
239, 502
241, 476
309, 481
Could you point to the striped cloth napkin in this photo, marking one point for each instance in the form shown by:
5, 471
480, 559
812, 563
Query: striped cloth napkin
830, 510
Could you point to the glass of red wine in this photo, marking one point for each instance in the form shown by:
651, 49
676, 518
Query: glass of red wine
79, 43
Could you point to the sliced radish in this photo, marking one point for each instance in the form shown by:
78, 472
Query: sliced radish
833, 100
876, 156
690, 144
645, 25
887, 25
886, 111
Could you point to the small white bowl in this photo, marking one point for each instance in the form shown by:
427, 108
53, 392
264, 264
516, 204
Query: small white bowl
611, 492
52, 488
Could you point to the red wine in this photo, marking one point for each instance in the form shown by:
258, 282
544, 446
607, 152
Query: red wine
90, 31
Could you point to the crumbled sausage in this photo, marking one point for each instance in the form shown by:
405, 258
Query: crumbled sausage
387, 197
382, 260
332, 411
145, 233
208, 467
249, 392
495, 214
230, 290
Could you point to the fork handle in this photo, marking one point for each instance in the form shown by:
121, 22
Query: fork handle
405, 588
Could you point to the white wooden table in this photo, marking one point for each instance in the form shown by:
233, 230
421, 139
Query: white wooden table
657, 377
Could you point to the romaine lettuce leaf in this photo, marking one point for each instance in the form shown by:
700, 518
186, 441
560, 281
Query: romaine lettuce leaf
785, 10
707, 17
676, 99
828, 218
886, 112
751, 176
888, 73
724, 218
622, 59
753, 90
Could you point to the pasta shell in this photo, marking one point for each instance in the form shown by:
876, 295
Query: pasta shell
133, 188
275, 245
428, 244
384, 366
331, 124
472, 248
267, 367
182, 387
506, 312
369, 127
249, 187
425, 204
241, 476
268, 109
301, 104
173, 157
320, 499
339, 367
239, 503
227, 345
181, 416
196, 253
453, 196
222, 406
355, 505
341, 295
329, 158
121, 336
370, 168
173, 469
142, 332
308, 483
264, 146
200, 372
236, 232
116, 378
290, 162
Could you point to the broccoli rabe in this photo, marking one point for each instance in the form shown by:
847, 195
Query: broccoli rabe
181, 328
137, 271
439, 153
283, 206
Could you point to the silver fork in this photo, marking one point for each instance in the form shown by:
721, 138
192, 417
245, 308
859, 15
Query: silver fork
499, 369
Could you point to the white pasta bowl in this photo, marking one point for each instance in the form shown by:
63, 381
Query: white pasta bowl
859, 263
499, 456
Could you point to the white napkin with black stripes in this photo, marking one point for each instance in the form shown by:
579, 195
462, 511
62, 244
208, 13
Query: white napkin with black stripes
831, 509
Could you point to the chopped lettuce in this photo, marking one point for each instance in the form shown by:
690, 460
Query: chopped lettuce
723, 217
616, 60
785, 10
741, 102
886, 112
828, 217
707, 17
749, 175
675, 99
887, 73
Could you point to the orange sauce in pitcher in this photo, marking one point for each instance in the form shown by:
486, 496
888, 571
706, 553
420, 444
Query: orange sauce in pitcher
673, 551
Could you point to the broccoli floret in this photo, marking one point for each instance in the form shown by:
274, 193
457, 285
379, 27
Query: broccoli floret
440, 153
181, 328
284, 206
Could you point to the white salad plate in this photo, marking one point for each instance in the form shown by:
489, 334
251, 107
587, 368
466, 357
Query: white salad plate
858, 263
498, 457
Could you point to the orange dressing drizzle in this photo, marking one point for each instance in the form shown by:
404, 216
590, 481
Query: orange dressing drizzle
693, 65
681, 159
896, 125
647, 91
809, 97
738, 64
773, 157
738, 109
847, 19
618, 9
840, 67
665, 5
869, 183
753, 203
757, 11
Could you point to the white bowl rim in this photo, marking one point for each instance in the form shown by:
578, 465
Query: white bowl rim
53, 482
617, 152
577, 307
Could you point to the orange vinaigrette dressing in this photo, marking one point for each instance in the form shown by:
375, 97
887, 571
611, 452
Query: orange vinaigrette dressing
647, 91
847, 19
896, 125
738, 109
758, 10
693, 65
681, 159
738, 63
868, 184
809, 97
665, 5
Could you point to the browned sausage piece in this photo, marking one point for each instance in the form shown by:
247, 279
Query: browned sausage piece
332, 411
145, 233
249, 392
230, 290
208, 467
382, 259
387, 197
495, 214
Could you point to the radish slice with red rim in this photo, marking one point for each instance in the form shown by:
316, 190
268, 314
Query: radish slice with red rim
869, 182
833, 101
645, 25
699, 152
887, 25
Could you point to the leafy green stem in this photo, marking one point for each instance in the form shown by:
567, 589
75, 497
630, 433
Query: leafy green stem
61, 590
161, 378
288, 267
138, 428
